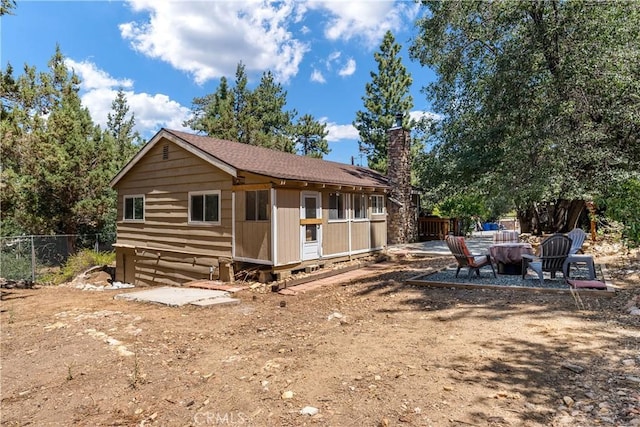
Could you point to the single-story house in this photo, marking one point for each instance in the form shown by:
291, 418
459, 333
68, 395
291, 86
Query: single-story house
191, 207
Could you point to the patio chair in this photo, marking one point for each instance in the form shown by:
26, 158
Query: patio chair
577, 236
553, 253
464, 258
506, 236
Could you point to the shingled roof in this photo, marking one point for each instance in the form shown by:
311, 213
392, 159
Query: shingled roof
263, 161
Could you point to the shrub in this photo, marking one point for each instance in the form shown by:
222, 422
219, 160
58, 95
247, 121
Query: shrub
79, 263
15, 267
622, 203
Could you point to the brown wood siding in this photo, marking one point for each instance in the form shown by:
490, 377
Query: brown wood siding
162, 268
378, 233
335, 238
359, 235
288, 226
165, 185
253, 238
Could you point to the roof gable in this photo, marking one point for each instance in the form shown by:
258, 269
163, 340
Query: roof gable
233, 157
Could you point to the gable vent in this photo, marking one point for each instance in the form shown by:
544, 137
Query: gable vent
165, 152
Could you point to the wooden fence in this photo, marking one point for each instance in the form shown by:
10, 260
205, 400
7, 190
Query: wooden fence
433, 228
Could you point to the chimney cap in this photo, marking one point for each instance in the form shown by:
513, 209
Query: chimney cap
397, 124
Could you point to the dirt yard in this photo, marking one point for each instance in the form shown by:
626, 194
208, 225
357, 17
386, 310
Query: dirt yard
374, 352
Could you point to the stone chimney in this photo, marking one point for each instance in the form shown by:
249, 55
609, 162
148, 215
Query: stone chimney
402, 220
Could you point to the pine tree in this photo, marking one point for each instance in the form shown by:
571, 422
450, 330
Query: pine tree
255, 117
7, 6
241, 102
56, 166
385, 96
120, 128
273, 125
310, 137
214, 113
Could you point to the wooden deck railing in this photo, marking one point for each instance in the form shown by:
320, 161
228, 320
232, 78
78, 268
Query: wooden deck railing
432, 228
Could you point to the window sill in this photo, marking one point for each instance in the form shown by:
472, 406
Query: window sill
203, 224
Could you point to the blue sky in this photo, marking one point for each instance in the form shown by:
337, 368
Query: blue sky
165, 53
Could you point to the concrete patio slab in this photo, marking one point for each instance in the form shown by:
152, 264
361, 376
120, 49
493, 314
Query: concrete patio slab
477, 245
173, 296
216, 301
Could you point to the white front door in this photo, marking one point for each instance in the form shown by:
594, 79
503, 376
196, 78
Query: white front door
310, 225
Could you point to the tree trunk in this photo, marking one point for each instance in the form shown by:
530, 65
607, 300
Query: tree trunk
559, 217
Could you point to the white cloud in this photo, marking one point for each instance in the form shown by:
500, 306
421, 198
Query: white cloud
316, 76
348, 69
339, 132
152, 111
365, 20
208, 39
417, 115
93, 78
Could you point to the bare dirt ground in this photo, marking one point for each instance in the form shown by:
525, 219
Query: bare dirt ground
374, 352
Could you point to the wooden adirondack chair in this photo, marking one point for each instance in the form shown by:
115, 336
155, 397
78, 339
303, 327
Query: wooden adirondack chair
464, 258
553, 253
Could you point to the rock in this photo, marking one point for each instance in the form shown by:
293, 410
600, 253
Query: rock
287, 395
335, 315
118, 285
575, 368
568, 401
99, 278
309, 410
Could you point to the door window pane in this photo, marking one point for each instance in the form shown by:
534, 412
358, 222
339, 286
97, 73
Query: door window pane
310, 210
311, 234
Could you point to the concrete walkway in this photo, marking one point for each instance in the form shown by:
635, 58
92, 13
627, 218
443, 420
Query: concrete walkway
477, 244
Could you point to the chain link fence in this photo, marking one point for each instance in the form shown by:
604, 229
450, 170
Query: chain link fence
31, 257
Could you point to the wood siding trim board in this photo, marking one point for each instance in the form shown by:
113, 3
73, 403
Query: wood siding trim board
273, 197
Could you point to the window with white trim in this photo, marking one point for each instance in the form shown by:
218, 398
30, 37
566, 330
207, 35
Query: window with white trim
359, 206
134, 208
257, 205
377, 204
337, 206
204, 207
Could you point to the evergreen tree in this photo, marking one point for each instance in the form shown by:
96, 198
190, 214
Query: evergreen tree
7, 6
310, 137
56, 166
273, 125
120, 128
385, 96
214, 113
255, 117
241, 106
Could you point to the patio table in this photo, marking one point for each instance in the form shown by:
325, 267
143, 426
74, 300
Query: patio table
508, 256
